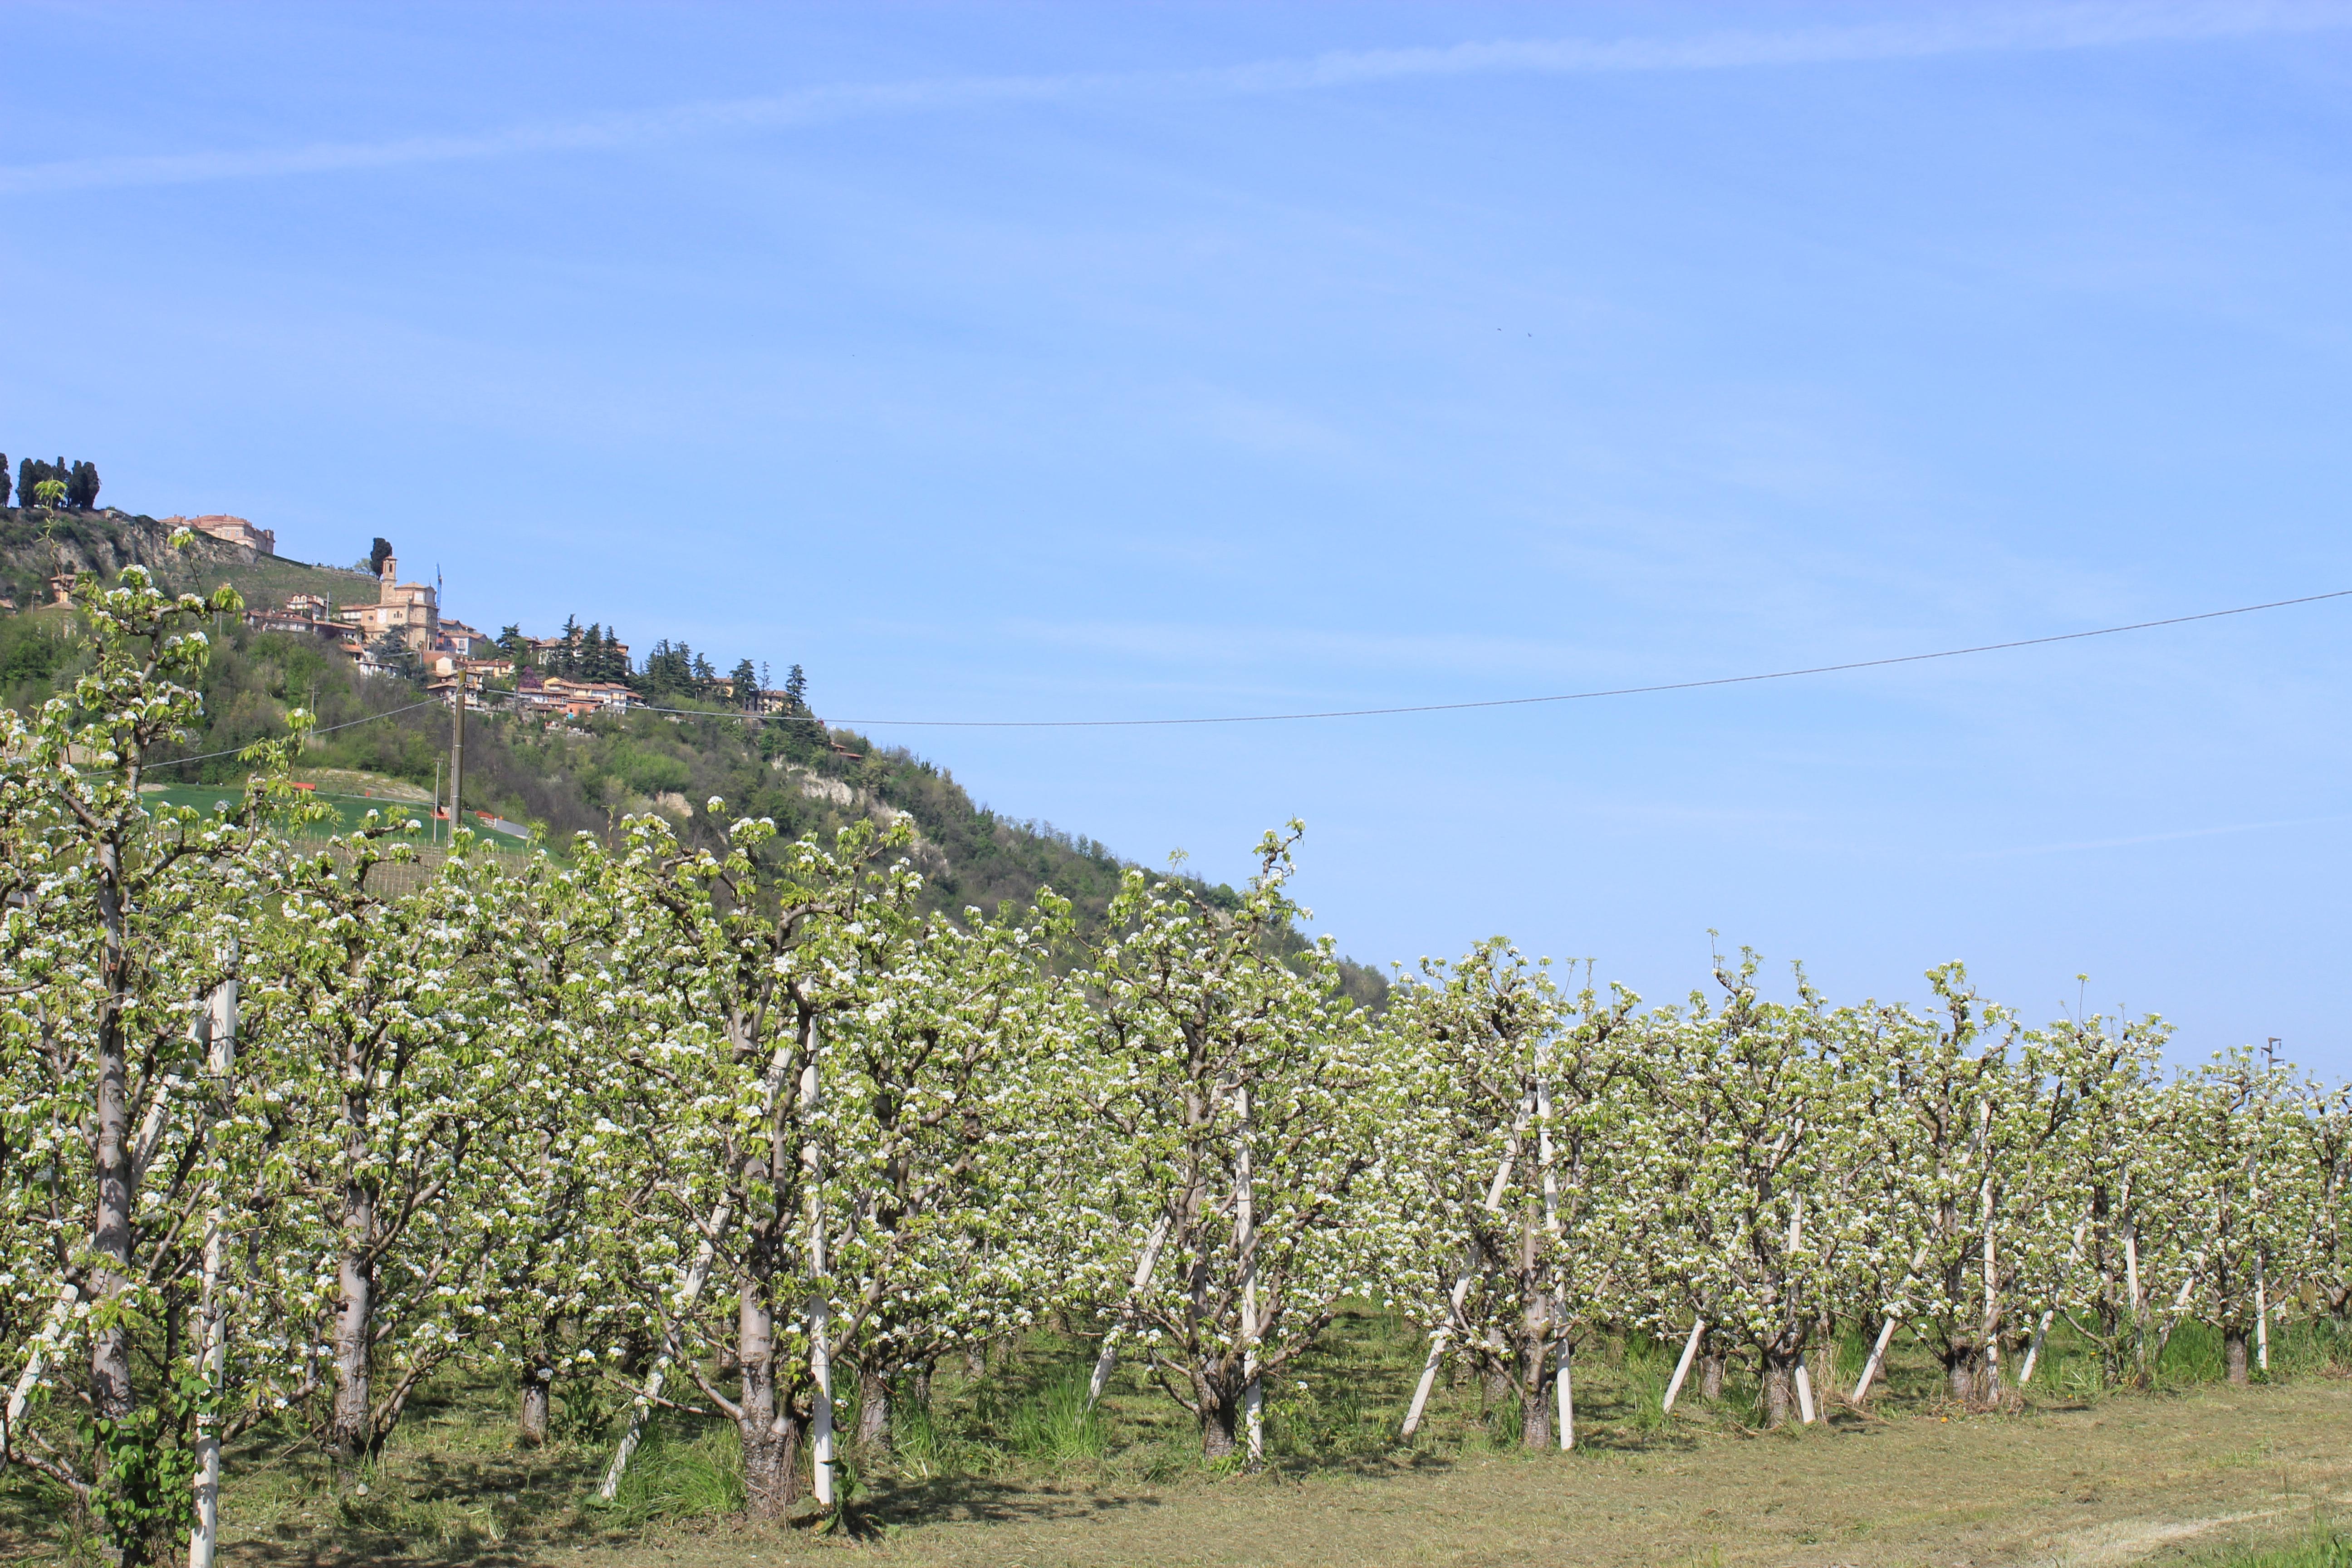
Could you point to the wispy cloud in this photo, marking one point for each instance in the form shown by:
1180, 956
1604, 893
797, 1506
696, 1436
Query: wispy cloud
1979, 31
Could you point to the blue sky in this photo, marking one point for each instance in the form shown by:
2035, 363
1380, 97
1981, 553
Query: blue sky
1064, 361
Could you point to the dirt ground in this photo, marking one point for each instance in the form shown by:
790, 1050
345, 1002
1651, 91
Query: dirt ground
2128, 1479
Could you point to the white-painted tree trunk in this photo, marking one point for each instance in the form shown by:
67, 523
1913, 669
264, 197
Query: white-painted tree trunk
212, 1345
1146, 1261
1246, 1246
1682, 1367
1560, 1385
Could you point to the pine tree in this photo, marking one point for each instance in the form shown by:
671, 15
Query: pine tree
746, 683
796, 690
616, 658
568, 661
591, 652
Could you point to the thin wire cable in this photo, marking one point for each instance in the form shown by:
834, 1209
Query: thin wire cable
1415, 708
1526, 702
331, 729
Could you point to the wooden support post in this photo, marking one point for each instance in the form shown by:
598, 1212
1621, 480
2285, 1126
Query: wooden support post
1682, 1367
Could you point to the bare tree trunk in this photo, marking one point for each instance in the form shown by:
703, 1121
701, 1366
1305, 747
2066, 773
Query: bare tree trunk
1496, 1393
1780, 1388
873, 1409
1220, 1413
1535, 1410
2233, 1355
350, 1430
530, 1407
918, 1386
771, 1469
1710, 1376
1961, 1363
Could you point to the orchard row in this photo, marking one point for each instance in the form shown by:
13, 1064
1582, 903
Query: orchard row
733, 1124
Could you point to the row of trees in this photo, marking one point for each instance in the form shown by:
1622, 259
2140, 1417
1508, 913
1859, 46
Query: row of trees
57, 484
742, 1120
670, 670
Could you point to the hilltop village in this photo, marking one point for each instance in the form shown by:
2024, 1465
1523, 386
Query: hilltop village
579, 672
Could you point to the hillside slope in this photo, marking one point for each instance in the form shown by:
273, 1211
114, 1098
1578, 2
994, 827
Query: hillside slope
35, 545
565, 777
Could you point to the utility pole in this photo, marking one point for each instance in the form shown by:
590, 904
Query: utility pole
456, 751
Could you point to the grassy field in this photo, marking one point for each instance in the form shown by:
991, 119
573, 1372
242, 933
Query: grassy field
350, 806
1009, 1470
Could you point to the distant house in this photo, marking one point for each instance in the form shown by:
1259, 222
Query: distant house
578, 699
229, 530
461, 639
305, 615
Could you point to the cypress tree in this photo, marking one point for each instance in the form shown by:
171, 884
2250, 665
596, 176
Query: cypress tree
4, 478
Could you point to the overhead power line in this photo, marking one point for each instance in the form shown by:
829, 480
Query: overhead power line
1581, 696
1420, 707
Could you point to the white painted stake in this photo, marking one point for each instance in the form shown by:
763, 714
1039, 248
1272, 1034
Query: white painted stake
45, 1343
1885, 1333
2261, 1318
1146, 1262
212, 1352
37, 1361
1878, 1354
1461, 1292
1805, 1393
1567, 1397
820, 1309
2033, 1351
2041, 1330
1682, 1367
696, 1276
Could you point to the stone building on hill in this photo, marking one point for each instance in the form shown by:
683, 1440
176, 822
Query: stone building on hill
230, 531
407, 610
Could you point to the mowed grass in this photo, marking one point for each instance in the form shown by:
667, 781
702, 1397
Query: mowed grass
1011, 1468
